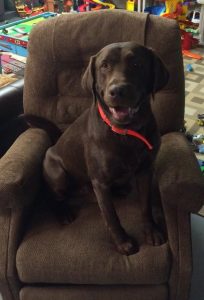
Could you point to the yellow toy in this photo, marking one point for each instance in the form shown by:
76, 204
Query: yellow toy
130, 5
109, 5
176, 9
171, 6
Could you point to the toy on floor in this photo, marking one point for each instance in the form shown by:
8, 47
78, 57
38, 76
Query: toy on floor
156, 9
104, 4
178, 10
196, 141
130, 5
201, 164
191, 54
200, 149
10, 64
189, 68
89, 5
14, 36
187, 40
200, 120
26, 8
194, 16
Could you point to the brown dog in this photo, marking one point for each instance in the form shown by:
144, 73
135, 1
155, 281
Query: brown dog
116, 139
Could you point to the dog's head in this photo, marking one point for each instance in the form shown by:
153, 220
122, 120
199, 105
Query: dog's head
123, 76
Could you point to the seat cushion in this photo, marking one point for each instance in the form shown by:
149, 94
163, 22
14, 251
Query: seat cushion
83, 252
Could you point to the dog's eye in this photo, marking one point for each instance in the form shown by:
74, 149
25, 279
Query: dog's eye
104, 65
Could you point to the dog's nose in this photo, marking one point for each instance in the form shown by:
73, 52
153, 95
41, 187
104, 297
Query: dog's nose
118, 91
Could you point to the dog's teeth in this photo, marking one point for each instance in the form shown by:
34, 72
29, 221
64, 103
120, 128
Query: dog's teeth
119, 113
133, 110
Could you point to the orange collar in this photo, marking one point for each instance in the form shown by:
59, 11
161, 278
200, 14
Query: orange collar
123, 131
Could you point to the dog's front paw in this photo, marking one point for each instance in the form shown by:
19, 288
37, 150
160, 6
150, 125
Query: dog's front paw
127, 247
152, 235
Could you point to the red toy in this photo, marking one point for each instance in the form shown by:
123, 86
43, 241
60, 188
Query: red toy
187, 40
86, 4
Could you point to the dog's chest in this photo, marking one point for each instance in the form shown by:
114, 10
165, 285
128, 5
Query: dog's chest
118, 158
129, 156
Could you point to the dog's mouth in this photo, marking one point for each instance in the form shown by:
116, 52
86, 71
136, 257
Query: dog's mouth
122, 114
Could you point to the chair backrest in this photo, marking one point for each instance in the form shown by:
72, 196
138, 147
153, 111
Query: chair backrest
59, 51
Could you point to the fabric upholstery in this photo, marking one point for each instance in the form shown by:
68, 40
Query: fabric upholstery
12, 224
95, 293
4, 233
83, 252
179, 174
182, 191
60, 97
20, 169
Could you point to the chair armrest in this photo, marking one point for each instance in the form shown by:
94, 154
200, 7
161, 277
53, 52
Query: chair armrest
20, 176
20, 169
180, 180
11, 100
11, 229
181, 186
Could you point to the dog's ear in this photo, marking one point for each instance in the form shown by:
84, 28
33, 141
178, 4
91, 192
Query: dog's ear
160, 74
89, 78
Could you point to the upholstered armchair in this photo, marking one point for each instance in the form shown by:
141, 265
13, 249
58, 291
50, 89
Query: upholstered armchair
40, 259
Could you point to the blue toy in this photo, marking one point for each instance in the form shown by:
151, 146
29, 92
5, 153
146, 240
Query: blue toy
189, 68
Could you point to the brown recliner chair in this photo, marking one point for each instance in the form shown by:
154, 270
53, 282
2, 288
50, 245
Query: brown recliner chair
41, 259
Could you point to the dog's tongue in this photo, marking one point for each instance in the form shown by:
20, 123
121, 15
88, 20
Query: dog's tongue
119, 113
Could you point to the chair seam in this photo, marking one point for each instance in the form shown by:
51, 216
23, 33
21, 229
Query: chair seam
145, 30
53, 40
8, 239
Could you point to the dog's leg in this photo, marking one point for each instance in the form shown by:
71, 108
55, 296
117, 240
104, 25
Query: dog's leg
59, 184
152, 234
125, 245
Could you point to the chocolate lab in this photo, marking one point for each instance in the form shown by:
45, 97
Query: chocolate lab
113, 144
